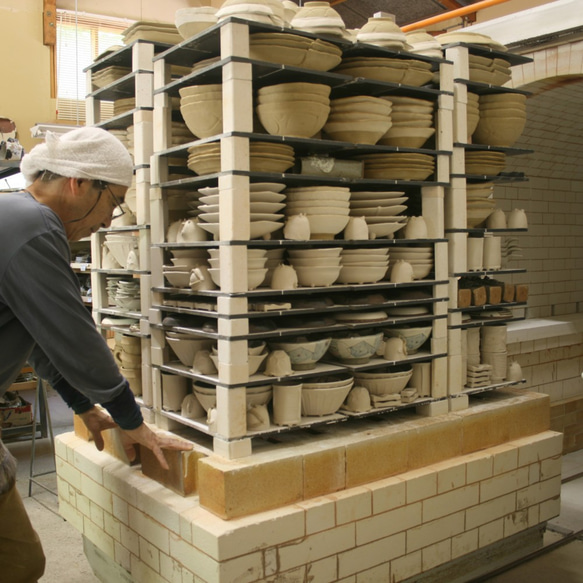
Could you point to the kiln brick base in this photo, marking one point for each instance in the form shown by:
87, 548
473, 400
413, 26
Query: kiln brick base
364, 503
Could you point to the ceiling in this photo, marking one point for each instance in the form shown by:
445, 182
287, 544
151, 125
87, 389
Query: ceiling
355, 13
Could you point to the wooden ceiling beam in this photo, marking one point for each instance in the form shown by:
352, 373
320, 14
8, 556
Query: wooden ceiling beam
50, 22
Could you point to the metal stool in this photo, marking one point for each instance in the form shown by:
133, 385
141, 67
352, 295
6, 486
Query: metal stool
40, 409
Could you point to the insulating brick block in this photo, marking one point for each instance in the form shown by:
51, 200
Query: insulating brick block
324, 472
80, 429
231, 489
182, 473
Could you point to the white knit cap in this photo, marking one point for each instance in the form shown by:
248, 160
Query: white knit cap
88, 152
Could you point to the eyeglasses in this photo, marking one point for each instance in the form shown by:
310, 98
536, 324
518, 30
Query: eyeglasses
118, 211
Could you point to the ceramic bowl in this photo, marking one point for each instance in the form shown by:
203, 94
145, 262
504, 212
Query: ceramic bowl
318, 402
301, 119
186, 348
201, 90
178, 278
498, 132
191, 21
203, 119
304, 354
207, 395
384, 383
255, 277
406, 137
254, 361
355, 349
357, 274
317, 276
414, 336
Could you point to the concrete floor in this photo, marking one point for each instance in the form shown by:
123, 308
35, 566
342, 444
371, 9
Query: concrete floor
66, 562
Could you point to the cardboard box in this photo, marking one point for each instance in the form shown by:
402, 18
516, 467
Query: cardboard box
17, 415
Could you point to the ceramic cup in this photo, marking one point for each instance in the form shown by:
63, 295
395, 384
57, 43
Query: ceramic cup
401, 272
492, 252
475, 253
356, 230
297, 228
287, 404
174, 389
395, 348
200, 279
284, 277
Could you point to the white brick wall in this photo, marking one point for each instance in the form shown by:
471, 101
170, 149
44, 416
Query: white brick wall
386, 530
553, 245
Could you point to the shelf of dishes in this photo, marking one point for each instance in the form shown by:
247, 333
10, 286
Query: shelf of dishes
265, 329
327, 394
322, 368
273, 306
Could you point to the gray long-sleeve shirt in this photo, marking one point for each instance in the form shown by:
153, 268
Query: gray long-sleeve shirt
42, 317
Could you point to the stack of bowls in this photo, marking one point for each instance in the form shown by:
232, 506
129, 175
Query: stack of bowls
327, 208
120, 245
466, 36
363, 265
414, 336
109, 75
316, 267
178, 273
473, 113
318, 18
420, 259
201, 107
355, 348
502, 119
294, 50
492, 71
360, 119
191, 21
412, 122
422, 43
398, 166
389, 381
124, 293
324, 396
264, 11
274, 259
304, 353
382, 210
388, 69
480, 202
256, 270
255, 357
485, 163
207, 395
383, 32
123, 105
293, 109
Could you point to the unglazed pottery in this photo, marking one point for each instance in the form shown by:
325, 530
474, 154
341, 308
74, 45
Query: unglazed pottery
174, 389
287, 404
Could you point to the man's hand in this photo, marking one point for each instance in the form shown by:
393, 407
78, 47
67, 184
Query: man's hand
96, 420
154, 441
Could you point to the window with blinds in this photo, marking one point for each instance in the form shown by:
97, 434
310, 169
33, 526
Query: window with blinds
80, 39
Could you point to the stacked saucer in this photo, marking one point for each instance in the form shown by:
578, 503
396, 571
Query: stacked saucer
327, 208
383, 32
485, 163
316, 267
387, 69
420, 258
360, 119
398, 166
264, 11
412, 122
152, 31
263, 157
294, 50
382, 210
363, 265
108, 75
123, 105
319, 18
124, 293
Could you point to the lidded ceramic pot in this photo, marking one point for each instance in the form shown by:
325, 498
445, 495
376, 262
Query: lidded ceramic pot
381, 30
